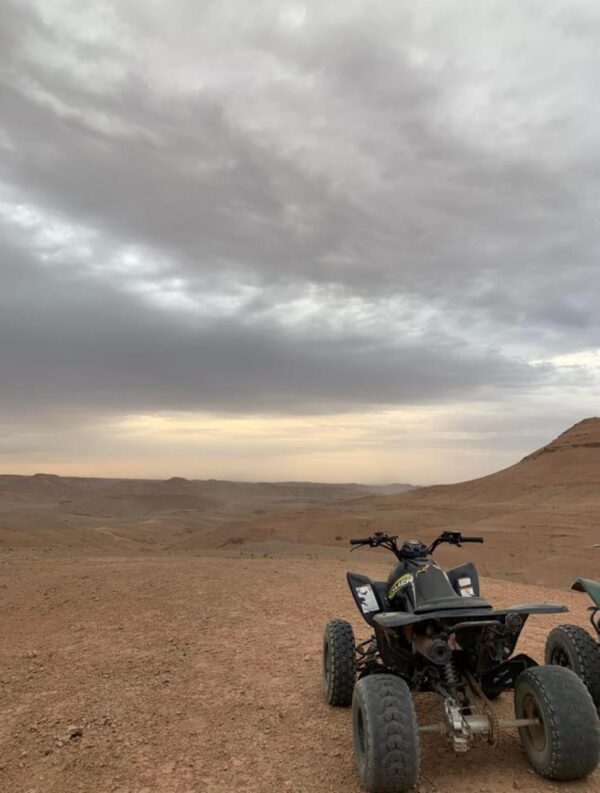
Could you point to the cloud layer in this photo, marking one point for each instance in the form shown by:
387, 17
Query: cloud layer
296, 210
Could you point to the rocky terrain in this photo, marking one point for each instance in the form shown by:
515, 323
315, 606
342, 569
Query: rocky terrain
164, 637
180, 675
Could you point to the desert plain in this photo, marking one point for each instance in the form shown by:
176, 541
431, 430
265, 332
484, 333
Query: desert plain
165, 637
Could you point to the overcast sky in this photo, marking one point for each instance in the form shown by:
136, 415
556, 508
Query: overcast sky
278, 240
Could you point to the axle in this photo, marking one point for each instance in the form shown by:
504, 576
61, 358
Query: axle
480, 724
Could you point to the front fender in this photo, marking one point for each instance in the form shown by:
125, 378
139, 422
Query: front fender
589, 586
367, 595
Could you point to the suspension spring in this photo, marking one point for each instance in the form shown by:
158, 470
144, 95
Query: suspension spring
450, 674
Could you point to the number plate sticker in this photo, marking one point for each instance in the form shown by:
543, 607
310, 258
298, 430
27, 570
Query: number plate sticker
368, 601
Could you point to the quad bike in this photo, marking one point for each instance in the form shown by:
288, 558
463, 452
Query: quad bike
573, 647
434, 632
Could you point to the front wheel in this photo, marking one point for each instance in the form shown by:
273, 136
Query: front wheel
339, 663
565, 744
386, 736
574, 648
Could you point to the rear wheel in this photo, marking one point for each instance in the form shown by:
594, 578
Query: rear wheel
386, 737
572, 647
566, 742
339, 663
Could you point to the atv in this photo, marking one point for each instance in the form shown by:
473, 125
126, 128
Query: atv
573, 647
433, 632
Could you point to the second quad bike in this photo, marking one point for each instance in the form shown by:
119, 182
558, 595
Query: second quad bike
433, 632
573, 647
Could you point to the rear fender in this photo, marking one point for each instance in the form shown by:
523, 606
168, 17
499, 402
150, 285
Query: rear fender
399, 619
538, 608
589, 586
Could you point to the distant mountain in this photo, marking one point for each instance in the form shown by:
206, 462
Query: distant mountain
540, 517
566, 470
49, 485
50, 511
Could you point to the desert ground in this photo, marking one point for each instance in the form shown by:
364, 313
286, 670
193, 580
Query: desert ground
165, 636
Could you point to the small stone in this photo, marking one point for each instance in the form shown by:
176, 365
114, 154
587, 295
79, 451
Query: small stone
307, 657
74, 731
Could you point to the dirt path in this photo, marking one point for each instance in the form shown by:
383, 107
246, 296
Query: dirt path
201, 675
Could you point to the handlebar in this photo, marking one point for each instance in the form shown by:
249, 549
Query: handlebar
375, 540
452, 538
389, 541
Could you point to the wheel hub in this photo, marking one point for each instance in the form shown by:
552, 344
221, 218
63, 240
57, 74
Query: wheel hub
536, 732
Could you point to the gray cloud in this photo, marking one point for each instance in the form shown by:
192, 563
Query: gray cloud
294, 210
71, 342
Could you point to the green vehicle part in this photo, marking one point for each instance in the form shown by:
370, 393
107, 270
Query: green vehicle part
589, 586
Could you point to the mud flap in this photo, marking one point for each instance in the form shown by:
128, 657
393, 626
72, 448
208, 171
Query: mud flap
504, 676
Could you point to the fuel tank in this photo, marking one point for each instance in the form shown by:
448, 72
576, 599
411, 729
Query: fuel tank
414, 582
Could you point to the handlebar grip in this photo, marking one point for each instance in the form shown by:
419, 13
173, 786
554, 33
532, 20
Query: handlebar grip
360, 542
472, 539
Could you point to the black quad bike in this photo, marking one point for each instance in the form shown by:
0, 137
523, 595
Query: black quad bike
432, 631
573, 647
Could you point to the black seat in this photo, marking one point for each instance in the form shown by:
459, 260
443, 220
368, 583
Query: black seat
456, 602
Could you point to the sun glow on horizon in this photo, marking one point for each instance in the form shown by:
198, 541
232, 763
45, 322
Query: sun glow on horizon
377, 447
